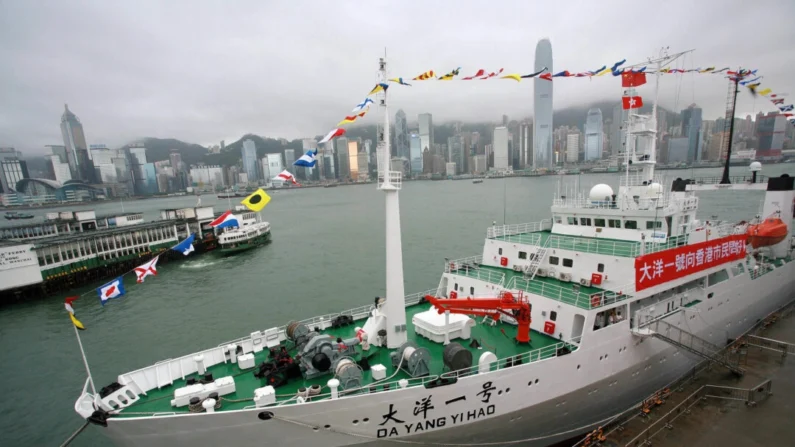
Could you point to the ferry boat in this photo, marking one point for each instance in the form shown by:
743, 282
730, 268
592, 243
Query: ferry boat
245, 238
13, 215
554, 328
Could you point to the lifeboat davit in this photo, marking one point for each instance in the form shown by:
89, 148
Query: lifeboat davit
769, 232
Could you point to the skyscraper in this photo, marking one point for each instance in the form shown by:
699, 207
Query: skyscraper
415, 147
691, 129
401, 135
573, 147
501, 148
76, 148
343, 162
250, 161
289, 159
594, 135
542, 107
426, 131
12, 169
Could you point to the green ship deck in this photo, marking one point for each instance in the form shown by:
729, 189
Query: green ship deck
490, 337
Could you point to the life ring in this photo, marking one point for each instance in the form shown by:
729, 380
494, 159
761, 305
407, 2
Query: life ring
596, 300
452, 266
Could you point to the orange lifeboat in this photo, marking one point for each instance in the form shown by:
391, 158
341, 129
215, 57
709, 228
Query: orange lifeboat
769, 232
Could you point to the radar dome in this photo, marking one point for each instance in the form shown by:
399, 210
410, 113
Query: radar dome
601, 192
654, 190
755, 167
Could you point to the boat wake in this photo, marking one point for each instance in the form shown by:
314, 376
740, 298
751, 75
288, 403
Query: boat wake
200, 264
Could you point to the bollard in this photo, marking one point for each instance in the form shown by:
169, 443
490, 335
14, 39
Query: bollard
209, 405
333, 384
199, 359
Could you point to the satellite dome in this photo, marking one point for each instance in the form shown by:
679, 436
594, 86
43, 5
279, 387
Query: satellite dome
755, 167
654, 190
601, 192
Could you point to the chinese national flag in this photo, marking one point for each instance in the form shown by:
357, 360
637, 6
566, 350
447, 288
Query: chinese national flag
631, 102
632, 79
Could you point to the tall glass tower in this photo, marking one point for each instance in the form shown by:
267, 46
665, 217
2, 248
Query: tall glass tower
401, 135
594, 135
542, 109
74, 139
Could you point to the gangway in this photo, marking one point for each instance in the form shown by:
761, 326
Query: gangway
675, 336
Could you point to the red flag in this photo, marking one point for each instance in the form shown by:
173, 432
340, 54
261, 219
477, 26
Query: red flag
632, 79
547, 76
631, 102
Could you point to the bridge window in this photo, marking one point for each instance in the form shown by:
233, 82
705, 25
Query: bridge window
599, 222
499, 251
553, 315
614, 223
631, 224
600, 268
650, 224
558, 220
522, 255
568, 262
472, 291
572, 220
585, 221
554, 260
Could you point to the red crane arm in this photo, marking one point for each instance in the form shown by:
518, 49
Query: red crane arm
489, 307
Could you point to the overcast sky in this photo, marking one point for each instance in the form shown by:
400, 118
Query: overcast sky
202, 71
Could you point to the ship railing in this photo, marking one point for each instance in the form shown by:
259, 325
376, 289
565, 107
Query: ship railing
609, 204
760, 269
470, 267
591, 245
532, 356
654, 247
570, 295
737, 179
723, 230
463, 263
512, 229
370, 388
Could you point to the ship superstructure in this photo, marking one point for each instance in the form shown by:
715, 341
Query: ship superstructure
623, 291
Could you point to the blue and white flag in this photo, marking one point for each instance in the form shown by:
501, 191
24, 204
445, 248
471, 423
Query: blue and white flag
113, 289
185, 247
307, 160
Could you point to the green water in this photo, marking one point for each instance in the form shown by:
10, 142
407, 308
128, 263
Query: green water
326, 255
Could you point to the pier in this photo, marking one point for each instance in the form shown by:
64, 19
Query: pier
71, 250
712, 408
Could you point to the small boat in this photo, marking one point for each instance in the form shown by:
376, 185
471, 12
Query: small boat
230, 195
235, 240
12, 215
480, 180
330, 185
769, 232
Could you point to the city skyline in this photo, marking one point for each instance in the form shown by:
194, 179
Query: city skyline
129, 85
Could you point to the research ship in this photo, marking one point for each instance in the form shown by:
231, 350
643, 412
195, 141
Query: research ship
554, 328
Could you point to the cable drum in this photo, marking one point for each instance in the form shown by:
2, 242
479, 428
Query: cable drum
407, 352
348, 373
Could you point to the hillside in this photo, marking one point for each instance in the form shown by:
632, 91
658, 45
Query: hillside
158, 149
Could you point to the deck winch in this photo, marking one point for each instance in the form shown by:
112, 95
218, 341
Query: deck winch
416, 361
322, 351
348, 372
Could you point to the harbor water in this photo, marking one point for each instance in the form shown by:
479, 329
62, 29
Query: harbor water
327, 255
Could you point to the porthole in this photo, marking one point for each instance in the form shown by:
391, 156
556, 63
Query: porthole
355, 422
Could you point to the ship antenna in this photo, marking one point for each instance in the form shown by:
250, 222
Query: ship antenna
389, 182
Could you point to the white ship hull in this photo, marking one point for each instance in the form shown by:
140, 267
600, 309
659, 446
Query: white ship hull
541, 403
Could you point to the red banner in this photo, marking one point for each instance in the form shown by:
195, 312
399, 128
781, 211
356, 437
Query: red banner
657, 268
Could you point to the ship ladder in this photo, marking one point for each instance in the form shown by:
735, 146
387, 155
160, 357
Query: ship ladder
532, 268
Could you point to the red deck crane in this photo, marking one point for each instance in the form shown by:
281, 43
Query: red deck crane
506, 304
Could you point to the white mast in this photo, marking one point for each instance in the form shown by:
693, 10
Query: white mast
390, 182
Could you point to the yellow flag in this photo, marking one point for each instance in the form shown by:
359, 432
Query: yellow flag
76, 322
516, 77
765, 92
257, 201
